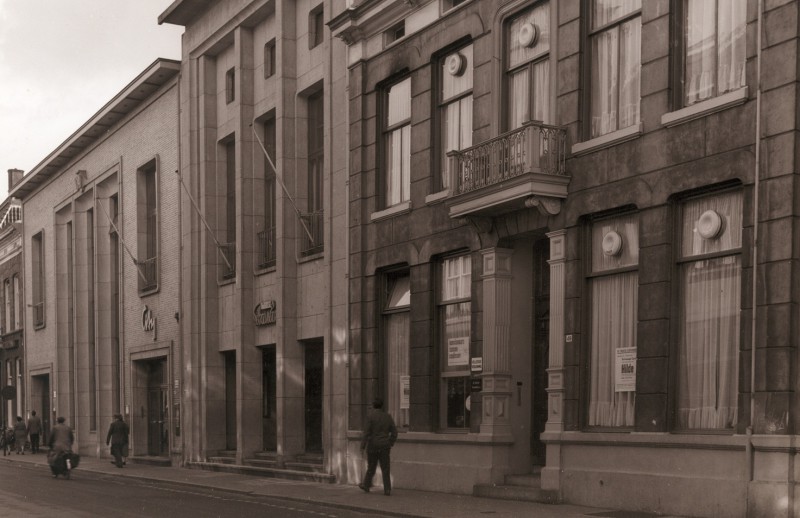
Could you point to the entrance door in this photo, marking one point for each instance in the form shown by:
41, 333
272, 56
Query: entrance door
157, 429
40, 397
230, 400
269, 419
314, 368
541, 342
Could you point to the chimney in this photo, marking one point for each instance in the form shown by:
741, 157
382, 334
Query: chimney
14, 176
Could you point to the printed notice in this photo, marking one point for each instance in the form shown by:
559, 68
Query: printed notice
405, 392
625, 371
458, 352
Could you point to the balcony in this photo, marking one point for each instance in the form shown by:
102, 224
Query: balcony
148, 269
228, 251
311, 236
266, 248
518, 169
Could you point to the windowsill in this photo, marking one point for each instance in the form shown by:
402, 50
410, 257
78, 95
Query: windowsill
226, 281
37, 327
310, 257
704, 108
394, 210
265, 270
607, 140
437, 196
148, 292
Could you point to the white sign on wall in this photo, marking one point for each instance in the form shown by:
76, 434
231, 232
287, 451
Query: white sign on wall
405, 392
458, 352
625, 370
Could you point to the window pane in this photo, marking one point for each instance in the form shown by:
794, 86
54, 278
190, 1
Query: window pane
540, 18
456, 132
399, 289
454, 85
456, 278
397, 351
399, 105
732, 29
541, 91
457, 392
630, 68
605, 73
700, 49
518, 98
606, 11
393, 166
627, 227
728, 207
405, 184
709, 345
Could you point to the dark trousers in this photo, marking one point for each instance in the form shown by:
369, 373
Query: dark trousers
116, 451
34, 443
373, 458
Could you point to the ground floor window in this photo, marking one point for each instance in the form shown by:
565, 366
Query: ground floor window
454, 321
397, 329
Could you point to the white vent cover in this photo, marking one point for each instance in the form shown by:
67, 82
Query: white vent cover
528, 35
709, 224
456, 64
612, 243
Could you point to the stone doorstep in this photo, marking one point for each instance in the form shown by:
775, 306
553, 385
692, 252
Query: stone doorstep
288, 474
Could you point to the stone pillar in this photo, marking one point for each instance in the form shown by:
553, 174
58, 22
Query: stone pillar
555, 371
496, 393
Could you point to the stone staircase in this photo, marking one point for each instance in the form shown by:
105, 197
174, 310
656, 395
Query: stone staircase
526, 487
306, 466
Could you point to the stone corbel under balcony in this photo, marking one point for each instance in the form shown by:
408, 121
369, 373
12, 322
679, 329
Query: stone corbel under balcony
542, 191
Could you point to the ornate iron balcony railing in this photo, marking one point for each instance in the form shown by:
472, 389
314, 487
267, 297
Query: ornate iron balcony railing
313, 244
149, 269
266, 248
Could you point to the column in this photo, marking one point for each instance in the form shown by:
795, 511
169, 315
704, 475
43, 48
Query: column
496, 393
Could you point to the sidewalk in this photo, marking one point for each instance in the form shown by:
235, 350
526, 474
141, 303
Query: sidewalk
403, 502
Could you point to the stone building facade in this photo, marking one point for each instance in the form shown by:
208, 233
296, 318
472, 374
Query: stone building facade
102, 272
573, 247
263, 273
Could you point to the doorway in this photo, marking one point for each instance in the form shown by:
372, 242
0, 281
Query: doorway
314, 374
268, 400
541, 348
157, 408
40, 398
230, 400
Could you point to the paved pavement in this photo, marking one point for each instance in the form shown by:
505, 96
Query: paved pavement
403, 502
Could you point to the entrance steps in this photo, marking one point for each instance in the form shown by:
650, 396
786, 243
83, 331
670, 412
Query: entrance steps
527, 487
308, 466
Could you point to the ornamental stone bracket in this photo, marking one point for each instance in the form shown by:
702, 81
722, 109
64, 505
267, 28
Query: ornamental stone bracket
547, 205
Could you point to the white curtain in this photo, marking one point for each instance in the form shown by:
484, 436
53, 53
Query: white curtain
606, 11
709, 347
398, 165
630, 65
540, 18
518, 98
541, 91
614, 317
605, 71
456, 132
397, 347
731, 41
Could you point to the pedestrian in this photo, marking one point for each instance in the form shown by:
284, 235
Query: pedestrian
20, 435
118, 438
379, 436
34, 429
61, 439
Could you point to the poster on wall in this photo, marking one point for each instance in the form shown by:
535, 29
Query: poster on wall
458, 352
625, 370
405, 392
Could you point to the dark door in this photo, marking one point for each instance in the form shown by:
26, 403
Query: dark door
313, 395
157, 429
269, 419
541, 341
45, 412
230, 401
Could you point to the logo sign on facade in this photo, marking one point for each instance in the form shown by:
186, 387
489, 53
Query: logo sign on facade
265, 312
625, 370
148, 321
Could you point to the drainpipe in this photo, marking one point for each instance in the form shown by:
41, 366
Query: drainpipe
181, 361
756, 184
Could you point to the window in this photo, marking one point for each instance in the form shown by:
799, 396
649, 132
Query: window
315, 145
710, 269
455, 107
90, 316
397, 330
18, 363
147, 223
315, 27
454, 322
614, 285
9, 403
714, 48
229, 178
267, 236
615, 42
37, 279
7, 314
395, 32
230, 85
269, 59
449, 4
397, 143
528, 67
16, 302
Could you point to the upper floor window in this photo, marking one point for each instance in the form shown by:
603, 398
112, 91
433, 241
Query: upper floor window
37, 278
7, 323
16, 302
147, 225
615, 34
527, 66
614, 283
455, 107
267, 237
395, 32
397, 143
230, 85
312, 241
714, 48
316, 26
269, 59
710, 273
227, 183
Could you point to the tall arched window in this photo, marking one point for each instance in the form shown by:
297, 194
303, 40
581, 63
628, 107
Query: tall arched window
16, 303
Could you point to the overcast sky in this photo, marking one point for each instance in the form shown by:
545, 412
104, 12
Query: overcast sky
62, 60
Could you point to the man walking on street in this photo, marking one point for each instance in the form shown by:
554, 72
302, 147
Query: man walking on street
378, 439
34, 429
118, 437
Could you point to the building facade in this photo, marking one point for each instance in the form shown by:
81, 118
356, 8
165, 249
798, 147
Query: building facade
263, 169
102, 274
12, 350
573, 245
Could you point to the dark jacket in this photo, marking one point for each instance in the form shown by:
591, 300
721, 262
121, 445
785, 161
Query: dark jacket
117, 432
20, 432
61, 438
34, 425
380, 432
